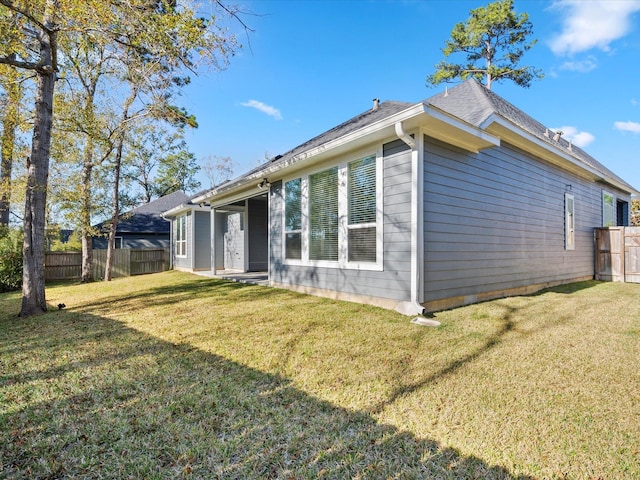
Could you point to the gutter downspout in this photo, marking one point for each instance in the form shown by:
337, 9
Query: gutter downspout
414, 307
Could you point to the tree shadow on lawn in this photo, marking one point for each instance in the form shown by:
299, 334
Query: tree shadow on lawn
179, 291
131, 405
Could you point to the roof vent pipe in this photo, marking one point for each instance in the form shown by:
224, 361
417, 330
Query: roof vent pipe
557, 136
376, 103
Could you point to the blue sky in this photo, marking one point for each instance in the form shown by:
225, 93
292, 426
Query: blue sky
310, 65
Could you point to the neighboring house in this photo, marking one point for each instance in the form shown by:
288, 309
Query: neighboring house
144, 226
453, 200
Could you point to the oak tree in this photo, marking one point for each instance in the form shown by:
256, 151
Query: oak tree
31, 34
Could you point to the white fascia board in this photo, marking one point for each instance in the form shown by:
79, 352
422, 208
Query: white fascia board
175, 211
559, 154
412, 117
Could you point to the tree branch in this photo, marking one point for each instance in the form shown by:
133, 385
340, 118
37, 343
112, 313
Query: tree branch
11, 6
11, 60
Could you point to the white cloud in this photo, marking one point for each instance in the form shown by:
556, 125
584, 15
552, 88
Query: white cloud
633, 127
592, 24
579, 139
634, 102
583, 66
264, 108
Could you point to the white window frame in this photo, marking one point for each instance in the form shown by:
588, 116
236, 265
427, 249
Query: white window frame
614, 216
569, 222
343, 213
296, 231
181, 236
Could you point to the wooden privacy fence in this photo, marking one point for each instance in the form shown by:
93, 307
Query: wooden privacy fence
126, 262
618, 254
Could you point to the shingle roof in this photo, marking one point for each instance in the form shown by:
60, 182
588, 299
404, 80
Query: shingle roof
147, 218
474, 103
469, 101
384, 110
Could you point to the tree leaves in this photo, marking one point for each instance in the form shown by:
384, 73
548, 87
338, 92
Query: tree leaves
493, 40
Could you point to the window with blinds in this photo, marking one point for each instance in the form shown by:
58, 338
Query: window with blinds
361, 184
323, 215
293, 219
181, 236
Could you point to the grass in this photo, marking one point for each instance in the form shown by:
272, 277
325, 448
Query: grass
177, 376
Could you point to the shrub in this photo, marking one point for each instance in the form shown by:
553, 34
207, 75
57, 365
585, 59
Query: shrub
10, 259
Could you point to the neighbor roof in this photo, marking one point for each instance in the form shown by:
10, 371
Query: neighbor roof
147, 218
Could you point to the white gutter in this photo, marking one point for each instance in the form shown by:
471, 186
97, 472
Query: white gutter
555, 150
416, 114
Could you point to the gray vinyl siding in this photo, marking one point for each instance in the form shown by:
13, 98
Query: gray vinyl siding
183, 262
495, 220
394, 281
202, 239
136, 240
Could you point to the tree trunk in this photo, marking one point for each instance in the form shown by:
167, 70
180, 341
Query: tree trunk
85, 216
116, 212
33, 290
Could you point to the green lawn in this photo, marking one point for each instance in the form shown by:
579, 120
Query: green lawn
177, 376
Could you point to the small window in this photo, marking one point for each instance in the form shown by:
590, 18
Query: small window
608, 210
119, 243
181, 236
293, 219
569, 222
622, 213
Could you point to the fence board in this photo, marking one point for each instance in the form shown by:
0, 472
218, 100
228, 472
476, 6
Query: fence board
126, 262
618, 254
62, 265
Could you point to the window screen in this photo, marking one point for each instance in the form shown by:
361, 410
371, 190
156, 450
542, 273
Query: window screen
362, 210
293, 219
323, 215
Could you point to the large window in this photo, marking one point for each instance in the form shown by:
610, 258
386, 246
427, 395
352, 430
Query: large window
569, 222
362, 210
334, 217
181, 236
293, 219
323, 215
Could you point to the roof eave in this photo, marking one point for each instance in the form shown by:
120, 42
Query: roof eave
437, 124
519, 137
185, 207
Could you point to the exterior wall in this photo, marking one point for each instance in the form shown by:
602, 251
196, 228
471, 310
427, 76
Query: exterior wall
258, 219
385, 287
183, 263
202, 239
494, 223
136, 240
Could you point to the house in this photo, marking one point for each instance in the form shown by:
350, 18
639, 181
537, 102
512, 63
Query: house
191, 236
144, 226
456, 199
